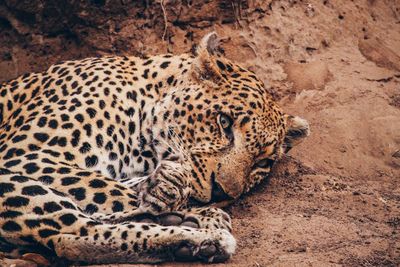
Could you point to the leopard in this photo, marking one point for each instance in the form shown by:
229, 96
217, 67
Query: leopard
123, 159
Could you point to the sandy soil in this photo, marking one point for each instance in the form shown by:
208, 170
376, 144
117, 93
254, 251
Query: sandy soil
335, 200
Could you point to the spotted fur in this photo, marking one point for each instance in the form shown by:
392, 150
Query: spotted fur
99, 157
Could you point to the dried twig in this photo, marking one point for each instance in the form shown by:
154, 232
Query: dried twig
236, 8
165, 19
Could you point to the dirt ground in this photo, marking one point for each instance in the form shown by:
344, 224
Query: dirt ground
335, 200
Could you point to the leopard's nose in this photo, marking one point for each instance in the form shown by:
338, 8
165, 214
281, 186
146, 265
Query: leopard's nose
218, 194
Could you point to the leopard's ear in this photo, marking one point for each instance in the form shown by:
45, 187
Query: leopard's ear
204, 68
209, 43
297, 129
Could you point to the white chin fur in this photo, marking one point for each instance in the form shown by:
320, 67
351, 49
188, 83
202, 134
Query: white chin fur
228, 242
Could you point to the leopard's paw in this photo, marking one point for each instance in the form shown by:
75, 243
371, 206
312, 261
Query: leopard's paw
218, 249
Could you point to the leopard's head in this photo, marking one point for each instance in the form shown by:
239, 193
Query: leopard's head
227, 125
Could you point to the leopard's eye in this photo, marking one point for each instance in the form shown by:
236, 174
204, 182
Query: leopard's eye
265, 163
225, 121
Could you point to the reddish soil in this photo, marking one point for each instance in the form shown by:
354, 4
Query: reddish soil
335, 200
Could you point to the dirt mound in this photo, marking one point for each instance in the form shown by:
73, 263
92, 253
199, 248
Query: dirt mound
376, 51
335, 200
307, 76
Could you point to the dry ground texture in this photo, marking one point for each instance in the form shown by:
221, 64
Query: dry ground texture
335, 201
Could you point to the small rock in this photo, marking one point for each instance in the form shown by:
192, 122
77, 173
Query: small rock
310, 11
7, 56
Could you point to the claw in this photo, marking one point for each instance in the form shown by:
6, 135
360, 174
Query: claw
17, 263
146, 220
220, 258
171, 220
36, 258
208, 251
190, 224
184, 253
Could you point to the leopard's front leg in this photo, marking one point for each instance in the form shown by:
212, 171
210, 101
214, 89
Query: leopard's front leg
163, 196
166, 189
